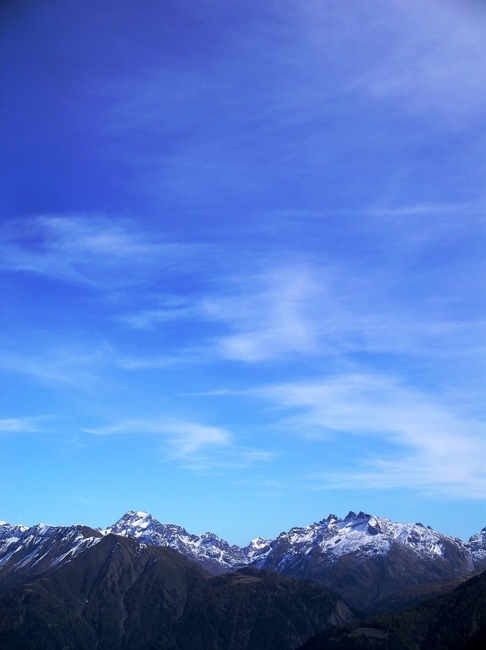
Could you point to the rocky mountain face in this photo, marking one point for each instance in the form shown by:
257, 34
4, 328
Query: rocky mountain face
477, 547
32, 552
367, 560
208, 550
119, 593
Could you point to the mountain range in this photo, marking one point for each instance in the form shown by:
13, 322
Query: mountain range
271, 593
364, 558
78, 588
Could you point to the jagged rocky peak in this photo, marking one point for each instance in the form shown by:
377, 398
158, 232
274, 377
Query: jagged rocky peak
477, 548
132, 519
358, 535
362, 519
259, 542
350, 516
143, 526
479, 536
208, 549
351, 521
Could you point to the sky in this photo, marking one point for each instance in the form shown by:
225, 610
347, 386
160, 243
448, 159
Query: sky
243, 262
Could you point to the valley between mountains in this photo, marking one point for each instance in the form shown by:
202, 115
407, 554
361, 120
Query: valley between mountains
144, 585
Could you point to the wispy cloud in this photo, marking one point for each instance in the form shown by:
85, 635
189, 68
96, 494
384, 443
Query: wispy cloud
273, 319
89, 250
153, 362
186, 437
437, 63
70, 365
169, 309
416, 225
316, 311
427, 445
425, 59
21, 425
308, 310
422, 210
195, 446
258, 317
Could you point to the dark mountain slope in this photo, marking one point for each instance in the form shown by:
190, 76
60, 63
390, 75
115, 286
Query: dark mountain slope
453, 621
120, 594
100, 598
414, 595
257, 610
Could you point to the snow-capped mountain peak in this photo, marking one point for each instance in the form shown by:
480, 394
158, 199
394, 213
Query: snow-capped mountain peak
361, 536
330, 547
207, 549
259, 543
477, 546
132, 521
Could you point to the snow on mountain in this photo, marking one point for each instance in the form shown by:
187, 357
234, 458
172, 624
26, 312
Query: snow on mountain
364, 558
330, 551
477, 547
211, 552
357, 533
8, 532
39, 549
306, 552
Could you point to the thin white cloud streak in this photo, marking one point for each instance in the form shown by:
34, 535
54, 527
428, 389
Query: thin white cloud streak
152, 362
170, 308
416, 225
21, 425
424, 210
90, 250
429, 446
196, 446
185, 437
86, 367
286, 311
79, 366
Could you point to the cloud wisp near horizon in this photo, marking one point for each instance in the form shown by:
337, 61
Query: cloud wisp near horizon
243, 255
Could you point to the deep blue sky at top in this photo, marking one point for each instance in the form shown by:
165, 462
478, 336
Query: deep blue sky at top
243, 262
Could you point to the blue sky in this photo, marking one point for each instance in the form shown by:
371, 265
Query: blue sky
243, 263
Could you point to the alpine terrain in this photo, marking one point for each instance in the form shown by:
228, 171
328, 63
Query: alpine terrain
118, 593
366, 559
144, 584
